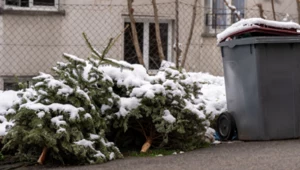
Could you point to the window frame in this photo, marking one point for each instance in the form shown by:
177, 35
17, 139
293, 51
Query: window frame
146, 36
211, 14
34, 7
10, 83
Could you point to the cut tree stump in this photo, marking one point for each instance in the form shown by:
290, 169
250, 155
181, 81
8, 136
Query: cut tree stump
42, 157
146, 145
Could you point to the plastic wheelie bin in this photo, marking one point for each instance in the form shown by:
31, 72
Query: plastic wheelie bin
262, 79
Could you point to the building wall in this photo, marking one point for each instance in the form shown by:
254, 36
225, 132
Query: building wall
34, 42
282, 7
210, 53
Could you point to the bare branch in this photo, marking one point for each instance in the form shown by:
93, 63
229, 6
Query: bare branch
298, 8
157, 32
134, 34
261, 11
273, 10
190, 34
158, 136
178, 51
143, 130
233, 9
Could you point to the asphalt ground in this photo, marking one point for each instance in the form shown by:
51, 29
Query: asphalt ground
237, 155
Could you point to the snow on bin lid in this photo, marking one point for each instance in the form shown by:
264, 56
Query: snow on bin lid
259, 25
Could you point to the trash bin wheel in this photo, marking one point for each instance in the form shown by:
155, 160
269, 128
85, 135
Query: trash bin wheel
226, 126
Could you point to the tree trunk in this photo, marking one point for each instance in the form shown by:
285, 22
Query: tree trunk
157, 32
233, 10
190, 34
134, 34
298, 8
273, 10
178, 52
261, 11
42, 157
146, 145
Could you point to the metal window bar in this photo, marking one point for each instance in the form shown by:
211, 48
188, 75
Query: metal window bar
213, 21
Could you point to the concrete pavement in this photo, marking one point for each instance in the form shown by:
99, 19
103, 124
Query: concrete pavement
267, 155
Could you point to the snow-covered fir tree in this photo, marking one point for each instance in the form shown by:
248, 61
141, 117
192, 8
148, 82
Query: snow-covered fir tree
71, 115
67, 115
165, 108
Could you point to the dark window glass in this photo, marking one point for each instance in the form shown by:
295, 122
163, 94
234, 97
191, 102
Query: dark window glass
11, 86
44, 2
21, 3
219, 17
240, 7
25, 3
239, 4
129, 50
154, 61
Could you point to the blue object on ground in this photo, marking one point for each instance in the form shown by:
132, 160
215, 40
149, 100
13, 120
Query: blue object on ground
234, 137
216, 135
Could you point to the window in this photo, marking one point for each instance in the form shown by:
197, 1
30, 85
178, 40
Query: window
13, 83
147, 42
31, 4
219, 16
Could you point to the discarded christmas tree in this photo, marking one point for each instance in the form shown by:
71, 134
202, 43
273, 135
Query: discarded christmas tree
66, 117
163, 108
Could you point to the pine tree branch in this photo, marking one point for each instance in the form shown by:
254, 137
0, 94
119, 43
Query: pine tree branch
151, 132
137, 129
90, 46
144, 133
105, 51
157, 136
101, 57
112, 42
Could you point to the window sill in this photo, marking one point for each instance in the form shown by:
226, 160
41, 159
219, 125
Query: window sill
34, 12
209, 35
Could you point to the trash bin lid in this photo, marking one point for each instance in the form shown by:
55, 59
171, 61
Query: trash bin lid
261, 40
258, 27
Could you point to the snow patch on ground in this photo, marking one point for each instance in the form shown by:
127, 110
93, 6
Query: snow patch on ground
7, 100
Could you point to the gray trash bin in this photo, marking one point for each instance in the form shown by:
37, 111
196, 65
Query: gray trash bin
262, 79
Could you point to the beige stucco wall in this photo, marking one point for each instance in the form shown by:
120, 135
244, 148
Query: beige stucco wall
34, 43
208, 42
282, 7
1, 84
